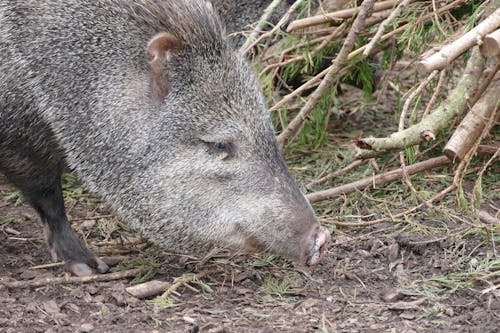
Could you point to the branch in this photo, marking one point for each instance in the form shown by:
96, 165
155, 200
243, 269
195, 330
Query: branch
491, 44
263, 21
336, 16
472, 125
384, 26
378, 180
331, 76
454, 106
451, 51
249, 44
71, 279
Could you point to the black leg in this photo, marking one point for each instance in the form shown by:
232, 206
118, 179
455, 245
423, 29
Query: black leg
62, 241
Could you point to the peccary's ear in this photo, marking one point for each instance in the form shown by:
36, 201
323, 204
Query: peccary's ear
158, 48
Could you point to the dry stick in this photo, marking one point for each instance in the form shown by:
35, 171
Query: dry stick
384, 26
436, 17
148, 289
480, 175
487, 218
331, 76
435, 94
340, 172
473, 124
186, 279
336, 16
454, 106
451, 51
401, 127
486, 83
71, 279
282, 21
491, 44
263, 21
378, 180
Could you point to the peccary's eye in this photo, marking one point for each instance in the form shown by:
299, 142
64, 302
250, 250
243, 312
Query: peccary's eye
223, 149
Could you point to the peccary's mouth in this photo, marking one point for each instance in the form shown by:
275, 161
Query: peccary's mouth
318, 247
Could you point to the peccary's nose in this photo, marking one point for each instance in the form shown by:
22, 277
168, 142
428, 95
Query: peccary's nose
315, 244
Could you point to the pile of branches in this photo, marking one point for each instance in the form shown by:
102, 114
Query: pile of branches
362, 30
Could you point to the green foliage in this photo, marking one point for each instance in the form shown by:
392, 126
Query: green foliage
15, 196
362, 76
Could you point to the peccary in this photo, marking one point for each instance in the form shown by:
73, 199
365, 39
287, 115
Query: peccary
149, 104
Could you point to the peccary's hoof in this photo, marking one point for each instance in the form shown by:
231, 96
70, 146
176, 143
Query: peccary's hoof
83, 269
321, 243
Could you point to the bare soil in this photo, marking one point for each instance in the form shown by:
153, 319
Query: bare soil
374, 279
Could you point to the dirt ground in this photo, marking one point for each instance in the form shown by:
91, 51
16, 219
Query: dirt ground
373, 279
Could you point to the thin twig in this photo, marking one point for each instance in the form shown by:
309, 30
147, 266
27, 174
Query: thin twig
401, 127
186, 278
338, 173
383, 26
435, 94
249, 44
71, 279
263, 21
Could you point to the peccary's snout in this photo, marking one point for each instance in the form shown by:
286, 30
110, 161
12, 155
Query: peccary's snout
314, 244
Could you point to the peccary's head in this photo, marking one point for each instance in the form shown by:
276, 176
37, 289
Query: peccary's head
219, 178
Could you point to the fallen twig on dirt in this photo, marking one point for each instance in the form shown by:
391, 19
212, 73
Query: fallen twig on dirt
378, 180
331, 76
453, 106
49, 265
488, 218
70, 279
407, 305
148, 289
451, 51
185, 279
340, 172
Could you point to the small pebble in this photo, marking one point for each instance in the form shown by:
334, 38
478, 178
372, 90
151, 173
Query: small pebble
87, 327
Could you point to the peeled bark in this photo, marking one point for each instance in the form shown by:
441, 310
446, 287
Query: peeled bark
472, 125
491, 44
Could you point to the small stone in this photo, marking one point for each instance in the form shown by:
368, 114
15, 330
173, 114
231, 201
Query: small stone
449, 312
474, 263
393, 252
407, 316
87, 327
330, 299
392, 295
308, 303
88, 224
51, 307
28, 275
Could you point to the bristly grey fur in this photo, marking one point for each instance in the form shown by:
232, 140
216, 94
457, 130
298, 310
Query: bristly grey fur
75, 89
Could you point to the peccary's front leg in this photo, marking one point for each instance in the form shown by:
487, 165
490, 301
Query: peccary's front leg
62, 241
